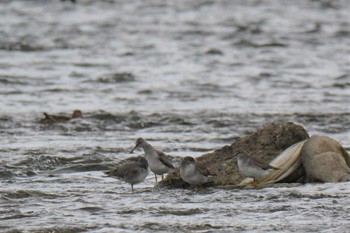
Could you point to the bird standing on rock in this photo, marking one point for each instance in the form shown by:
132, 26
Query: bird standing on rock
192, 172
157, 160
252, 167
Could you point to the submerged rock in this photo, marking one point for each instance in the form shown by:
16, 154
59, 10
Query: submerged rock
51, 119
117, 78
265, 144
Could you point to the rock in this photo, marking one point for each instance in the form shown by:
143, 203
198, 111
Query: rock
325, 160
51, 119
265, 144
214, 51
117, 78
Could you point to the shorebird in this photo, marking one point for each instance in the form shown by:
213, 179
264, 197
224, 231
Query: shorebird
157, 160
49, 119
193, 172
132, 172
252, 167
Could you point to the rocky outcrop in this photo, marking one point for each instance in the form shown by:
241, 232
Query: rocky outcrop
52, 119
265, 144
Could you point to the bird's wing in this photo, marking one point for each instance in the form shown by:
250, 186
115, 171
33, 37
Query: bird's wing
202, 169
163, 158
114, 172
136, 171
121, 171
264, 166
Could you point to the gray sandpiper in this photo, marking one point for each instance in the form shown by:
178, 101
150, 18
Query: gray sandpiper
157, 160
192, 172
252, 167
132, 172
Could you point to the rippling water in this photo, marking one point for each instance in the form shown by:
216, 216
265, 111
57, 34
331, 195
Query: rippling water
189, 76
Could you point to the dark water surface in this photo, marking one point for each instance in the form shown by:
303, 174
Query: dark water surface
189, 76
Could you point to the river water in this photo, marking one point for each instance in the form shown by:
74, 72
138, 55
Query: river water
190, 76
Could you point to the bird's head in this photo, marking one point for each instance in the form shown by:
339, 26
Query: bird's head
187, 161
138, 143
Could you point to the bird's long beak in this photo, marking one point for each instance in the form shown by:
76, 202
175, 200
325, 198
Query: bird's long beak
137, 145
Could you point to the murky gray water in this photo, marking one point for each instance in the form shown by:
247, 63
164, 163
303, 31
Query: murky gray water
189, 76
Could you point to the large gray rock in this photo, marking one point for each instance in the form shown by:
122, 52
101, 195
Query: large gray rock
325, 160
265, 144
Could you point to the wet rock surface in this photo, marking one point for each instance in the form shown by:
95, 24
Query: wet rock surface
265, 144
